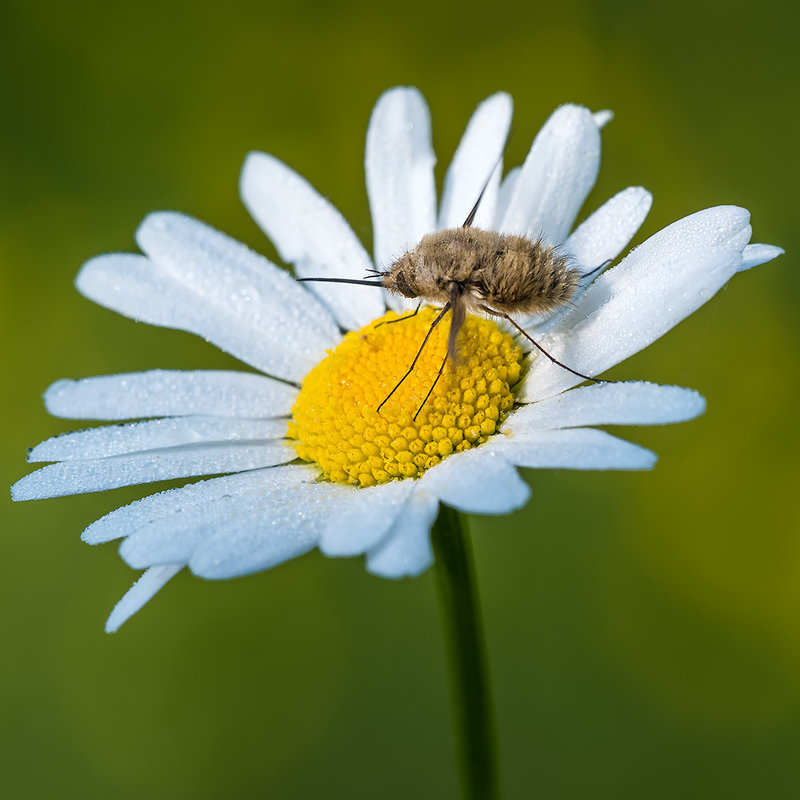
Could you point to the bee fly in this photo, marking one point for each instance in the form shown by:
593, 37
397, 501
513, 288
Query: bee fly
469, 269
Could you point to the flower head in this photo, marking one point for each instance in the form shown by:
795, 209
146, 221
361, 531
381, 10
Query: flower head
317, 449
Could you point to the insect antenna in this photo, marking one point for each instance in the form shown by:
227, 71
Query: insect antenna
416, 358
365, 282
539, 347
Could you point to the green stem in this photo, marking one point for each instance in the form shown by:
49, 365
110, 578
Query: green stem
458, 596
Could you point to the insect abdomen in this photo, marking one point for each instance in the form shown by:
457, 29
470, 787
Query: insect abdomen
528, 277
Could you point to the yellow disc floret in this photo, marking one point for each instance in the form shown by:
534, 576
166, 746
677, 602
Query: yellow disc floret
336, 422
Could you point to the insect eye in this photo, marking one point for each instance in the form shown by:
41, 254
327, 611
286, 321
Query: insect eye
402, 285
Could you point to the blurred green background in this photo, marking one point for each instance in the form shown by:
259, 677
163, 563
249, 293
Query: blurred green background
644, 629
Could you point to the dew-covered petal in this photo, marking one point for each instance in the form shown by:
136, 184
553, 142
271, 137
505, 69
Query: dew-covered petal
476, 482
630, 320
476, 161
720, 226
606, 233
140, 593
362, 517
114, 440
167, 393
557, 176
244, 283
406, 550
172, 535
190, 501
505, 194
755, 254
139, 288
631, 305
399, 171
100, 474
633, 403
574, 448
309, 232
269, 533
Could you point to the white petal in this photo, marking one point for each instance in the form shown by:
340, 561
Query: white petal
163, 392
138, 288
597, 240
576, 448
504, 196
173, 535
602, 118
309, 232
755, 254
476, 161
114, 440
362, 517
477, 482
245, 283
270, 534
399, 170
607, 232
406, 550
608, 404
720, 226
100, 474
631, 305
190, 501
143, 590
556, 177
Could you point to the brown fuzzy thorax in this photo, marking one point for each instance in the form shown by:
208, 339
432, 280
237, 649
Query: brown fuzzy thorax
509, 274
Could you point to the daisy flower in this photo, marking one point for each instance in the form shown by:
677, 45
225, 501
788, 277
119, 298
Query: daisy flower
306, 460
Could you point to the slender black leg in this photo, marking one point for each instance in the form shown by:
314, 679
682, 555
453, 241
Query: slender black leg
433, 386
400, 319
607, 263
539, 347
419, 353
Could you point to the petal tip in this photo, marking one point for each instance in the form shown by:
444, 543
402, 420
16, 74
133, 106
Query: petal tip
699, 406
400, 91
395, 572
88, 270
18, 492
503, 101
53, 395
253, 163
756, 254
602, 117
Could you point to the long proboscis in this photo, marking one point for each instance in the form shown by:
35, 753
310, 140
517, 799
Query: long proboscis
342, 280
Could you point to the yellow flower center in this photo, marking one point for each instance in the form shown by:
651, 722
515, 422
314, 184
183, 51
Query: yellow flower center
336, 422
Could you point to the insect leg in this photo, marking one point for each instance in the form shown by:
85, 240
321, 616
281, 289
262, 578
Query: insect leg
400, 319
607, 263
459, 314
539, 347
433, 386
419, 353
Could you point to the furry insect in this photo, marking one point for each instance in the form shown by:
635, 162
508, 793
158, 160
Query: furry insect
468, 268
